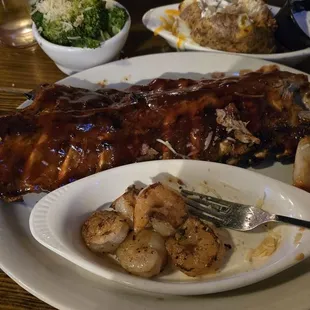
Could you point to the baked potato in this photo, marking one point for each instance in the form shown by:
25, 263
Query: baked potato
242, 26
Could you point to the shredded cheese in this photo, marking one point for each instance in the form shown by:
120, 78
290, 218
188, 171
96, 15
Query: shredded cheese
166, 23
74, 38
67, 26
78, 21
208, 140
34, 11
54, 9
59, 10
172, 12
169, 146
158, 30
88, 8
109, 4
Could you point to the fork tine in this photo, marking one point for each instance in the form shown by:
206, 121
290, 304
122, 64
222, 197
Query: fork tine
205, 217
203, 210
211, 205
220, 202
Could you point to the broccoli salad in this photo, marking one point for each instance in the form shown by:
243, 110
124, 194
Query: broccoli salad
78, 23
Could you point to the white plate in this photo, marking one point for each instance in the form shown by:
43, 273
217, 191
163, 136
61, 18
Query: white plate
66, 286
151, 21
56, 222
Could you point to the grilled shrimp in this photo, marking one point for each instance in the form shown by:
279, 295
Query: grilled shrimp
301, 177
125, 204
143, 254
159, 207
104, 231
195, 249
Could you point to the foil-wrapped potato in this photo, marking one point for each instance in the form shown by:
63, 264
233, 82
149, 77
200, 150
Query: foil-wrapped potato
242, 26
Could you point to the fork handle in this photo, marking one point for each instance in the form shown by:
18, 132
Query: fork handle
293, 221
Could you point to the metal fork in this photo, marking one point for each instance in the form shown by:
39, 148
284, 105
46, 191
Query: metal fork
233, 215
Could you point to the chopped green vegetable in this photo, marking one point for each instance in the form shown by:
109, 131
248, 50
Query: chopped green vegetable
53, 32
88, 42
79, 23
117, 20
37, 17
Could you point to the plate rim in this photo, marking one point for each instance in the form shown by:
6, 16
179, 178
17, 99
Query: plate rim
179, 54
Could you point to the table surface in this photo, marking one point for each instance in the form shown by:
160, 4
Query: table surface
25, 68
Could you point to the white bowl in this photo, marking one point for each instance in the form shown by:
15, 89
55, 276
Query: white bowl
56, 222
75, 59
152, 21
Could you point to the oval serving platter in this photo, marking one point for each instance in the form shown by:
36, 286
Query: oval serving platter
48, 275
152, 21
56, 222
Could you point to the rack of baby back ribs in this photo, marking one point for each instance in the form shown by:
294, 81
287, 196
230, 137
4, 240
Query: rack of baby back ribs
68, 133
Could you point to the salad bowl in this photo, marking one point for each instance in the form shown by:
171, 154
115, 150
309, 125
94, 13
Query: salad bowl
71, 60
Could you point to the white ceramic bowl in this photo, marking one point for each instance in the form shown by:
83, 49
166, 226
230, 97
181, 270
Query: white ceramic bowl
152, 21
75, 59
56, 222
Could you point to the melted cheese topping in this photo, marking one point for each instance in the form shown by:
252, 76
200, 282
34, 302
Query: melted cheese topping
171, 22
166, 23
171, 12
181, 39
158, 30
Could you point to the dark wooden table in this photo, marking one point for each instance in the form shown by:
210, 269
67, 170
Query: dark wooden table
25, 68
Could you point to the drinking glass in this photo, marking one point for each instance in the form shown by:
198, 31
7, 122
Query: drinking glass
16, 23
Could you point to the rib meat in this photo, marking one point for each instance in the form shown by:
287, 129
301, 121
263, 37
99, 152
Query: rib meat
69, 133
